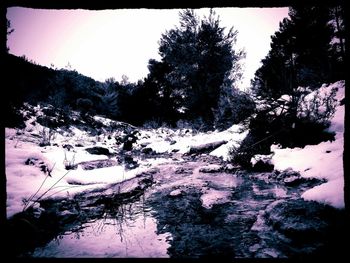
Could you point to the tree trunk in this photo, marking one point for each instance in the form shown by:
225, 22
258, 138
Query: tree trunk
206, 147
339, 30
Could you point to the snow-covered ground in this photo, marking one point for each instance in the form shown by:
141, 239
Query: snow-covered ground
324, 160
181, 140
41, 171
25, 176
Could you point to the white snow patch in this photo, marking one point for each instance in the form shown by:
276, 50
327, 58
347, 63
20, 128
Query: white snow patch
167, 140
327, 193
324, 160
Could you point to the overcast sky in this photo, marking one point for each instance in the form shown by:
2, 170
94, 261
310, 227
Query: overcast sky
110, 43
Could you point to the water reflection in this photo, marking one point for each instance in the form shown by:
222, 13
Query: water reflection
130, 232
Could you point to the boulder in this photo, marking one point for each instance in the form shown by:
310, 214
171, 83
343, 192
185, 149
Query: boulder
262, 163
98, 150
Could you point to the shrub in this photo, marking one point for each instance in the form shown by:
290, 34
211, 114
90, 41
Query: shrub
47, 135
233, 107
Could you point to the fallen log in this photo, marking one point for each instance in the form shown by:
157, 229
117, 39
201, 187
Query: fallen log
208, 147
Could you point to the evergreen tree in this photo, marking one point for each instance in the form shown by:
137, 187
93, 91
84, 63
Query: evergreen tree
300, 53
197, 61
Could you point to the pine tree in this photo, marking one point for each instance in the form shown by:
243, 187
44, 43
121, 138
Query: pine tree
197, 59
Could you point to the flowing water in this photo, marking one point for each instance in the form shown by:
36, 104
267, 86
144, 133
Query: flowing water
185, 213
131, 233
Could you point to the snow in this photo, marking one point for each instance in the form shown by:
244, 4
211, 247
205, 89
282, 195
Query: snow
183, 139
321, 161
234, 135
324, 160
23, 181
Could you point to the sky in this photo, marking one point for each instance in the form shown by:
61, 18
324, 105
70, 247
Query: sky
111, 43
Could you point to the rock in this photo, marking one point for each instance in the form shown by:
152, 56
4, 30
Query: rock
222, 182
68, 147
129, 140
299, 219
129, 162
254, 248
286, 173
147, 150
231, 168
184, 170
261, 166
175, 193
211, 197
31, 161
206, 147
269, 253
98, 150
91, 165
68, 216
262, 163
292, 180
211, 168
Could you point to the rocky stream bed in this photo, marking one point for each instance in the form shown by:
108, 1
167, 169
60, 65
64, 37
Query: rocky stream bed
191, 207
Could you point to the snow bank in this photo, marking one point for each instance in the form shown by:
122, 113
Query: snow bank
324, 160
24, 178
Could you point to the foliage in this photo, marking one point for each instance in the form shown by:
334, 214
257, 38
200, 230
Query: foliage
47, 135
234, 106
302, 53
197, 59
84, 104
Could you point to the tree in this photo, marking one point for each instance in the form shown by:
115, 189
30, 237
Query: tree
299, 56
9, 30
197, 60
300, 53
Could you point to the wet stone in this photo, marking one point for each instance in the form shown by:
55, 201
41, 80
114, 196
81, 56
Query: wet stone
184, 170
231, 168
299, 219
68, 216
91, 165
175, 193
212, 168
292, 180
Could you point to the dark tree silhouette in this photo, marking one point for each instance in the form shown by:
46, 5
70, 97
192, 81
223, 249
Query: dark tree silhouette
198, 59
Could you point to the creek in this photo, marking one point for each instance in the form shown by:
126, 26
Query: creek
194, 208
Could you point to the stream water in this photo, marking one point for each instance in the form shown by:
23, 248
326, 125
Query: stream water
131, 233
186, 213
